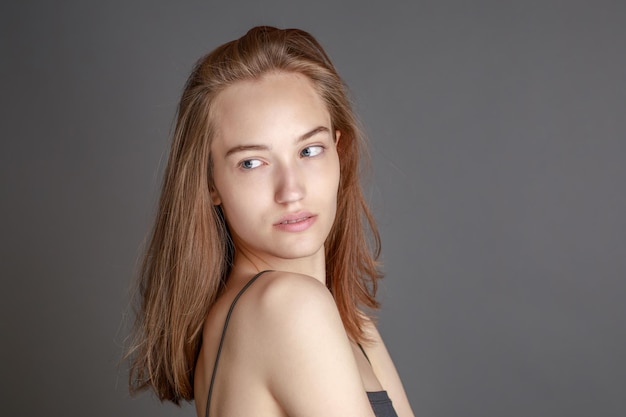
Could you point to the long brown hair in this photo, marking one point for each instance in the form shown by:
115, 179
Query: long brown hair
190, 250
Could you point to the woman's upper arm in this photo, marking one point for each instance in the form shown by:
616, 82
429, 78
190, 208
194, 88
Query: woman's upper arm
310, 367
386, 372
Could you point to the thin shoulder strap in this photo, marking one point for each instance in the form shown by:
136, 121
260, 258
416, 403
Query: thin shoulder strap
219, 349
365, 354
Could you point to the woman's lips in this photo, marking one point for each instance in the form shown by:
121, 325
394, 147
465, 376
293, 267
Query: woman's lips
296, 222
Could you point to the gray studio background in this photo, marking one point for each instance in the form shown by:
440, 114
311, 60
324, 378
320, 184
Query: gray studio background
498, 140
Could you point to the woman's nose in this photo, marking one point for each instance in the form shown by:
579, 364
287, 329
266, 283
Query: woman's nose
289, 185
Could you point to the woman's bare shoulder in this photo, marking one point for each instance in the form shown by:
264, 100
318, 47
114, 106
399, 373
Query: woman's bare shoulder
278, 303
307, 358
281, 303
280, 292
273, 334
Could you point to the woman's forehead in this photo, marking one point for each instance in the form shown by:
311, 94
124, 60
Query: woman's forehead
278, 104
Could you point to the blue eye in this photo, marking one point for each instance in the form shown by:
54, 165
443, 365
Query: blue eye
310, 151
250, 164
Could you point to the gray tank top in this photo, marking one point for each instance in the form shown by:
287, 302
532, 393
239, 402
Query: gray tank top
379, 400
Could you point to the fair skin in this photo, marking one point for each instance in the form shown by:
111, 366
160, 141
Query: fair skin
286, 353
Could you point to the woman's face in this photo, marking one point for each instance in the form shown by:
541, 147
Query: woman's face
275, 167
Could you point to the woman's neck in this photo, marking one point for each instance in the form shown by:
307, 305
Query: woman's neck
246, 264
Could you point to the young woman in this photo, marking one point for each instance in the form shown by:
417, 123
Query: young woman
259, 272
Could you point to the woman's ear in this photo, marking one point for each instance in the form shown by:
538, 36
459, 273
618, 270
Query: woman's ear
337, 136
215, 197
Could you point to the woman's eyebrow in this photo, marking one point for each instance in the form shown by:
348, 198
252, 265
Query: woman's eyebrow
313, 132
242, 148
251, 147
